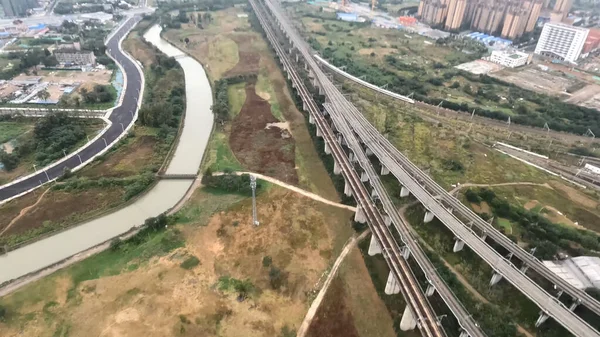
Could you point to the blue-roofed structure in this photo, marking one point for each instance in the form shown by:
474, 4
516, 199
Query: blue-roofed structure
37, 27
350, 17
489, 39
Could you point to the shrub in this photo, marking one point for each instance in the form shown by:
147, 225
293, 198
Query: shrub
190, 263
267, 261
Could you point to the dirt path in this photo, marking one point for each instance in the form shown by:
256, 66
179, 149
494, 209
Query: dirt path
312, 311
456, 273
296, 189
458, 188
24, 211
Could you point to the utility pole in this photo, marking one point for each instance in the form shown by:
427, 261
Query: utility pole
254, 215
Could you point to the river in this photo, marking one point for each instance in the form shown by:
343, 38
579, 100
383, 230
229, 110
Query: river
186, 160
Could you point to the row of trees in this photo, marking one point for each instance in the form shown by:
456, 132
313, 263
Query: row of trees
220, 107
100, 94
549, 238
53, 134
230, 182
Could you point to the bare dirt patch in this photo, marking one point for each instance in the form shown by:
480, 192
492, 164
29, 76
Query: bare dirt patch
258, 148
334, 317
575, 195
60, 206
249, 58
483, 207
12, 209
156, 297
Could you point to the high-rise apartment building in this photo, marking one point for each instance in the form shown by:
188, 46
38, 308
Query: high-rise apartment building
534, 15
488, 16
433, 12
562, 42
456, 14
13, 8
520, 17
562, 8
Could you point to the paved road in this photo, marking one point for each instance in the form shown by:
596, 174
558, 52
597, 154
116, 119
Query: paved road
121, 118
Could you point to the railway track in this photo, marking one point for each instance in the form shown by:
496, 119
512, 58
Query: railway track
345, 114
469, 217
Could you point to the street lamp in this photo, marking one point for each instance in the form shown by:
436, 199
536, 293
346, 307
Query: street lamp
47, 176
122, 127
80, 161
105, 143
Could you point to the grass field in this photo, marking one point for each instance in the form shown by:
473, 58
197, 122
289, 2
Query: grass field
11, 129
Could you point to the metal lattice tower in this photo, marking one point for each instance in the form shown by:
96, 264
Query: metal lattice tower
254, 213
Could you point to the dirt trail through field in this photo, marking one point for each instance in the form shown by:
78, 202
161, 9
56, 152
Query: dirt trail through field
295, 189
458, 188
23, 212
456, 273
312, 311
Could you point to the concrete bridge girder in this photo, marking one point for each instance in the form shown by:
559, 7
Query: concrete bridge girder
430, 290
347, 189
337, 170
384, 170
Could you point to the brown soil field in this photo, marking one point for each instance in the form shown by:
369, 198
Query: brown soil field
126, 161
12, 208
264, 150
157, 297
249, 59
58, 207
334, 317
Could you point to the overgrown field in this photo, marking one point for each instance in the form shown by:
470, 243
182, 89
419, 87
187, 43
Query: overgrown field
258, 126
210, 273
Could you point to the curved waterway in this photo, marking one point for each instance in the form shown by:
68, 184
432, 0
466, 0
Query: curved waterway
186, 160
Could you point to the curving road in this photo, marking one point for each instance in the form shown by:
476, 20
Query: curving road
121, 118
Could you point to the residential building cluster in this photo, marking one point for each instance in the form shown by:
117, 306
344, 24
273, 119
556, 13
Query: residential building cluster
16, 8
509, 19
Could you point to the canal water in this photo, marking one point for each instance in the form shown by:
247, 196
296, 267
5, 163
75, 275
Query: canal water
186, 160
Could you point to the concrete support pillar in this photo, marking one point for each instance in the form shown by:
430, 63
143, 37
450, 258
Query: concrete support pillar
321, 91
297, 57
369, 152
347, 189
428, 217
353, 158
289, 76
484, 236
336, 168
319, 134
315, 82
387, 220
359, 216
327, 148
291, 50
574, 305
392, 286
311, 119
304, 106
405, 252
524, 269
430, 290
305, 66
408, 321
543, 317
340, 139
364, 177
458, 245
384, 170
404, 192
374, 247
374, 194
495, 279
463, 333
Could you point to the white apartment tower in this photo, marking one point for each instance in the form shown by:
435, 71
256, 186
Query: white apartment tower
561, 41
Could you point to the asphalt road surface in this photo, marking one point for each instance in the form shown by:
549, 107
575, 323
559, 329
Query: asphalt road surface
121, 118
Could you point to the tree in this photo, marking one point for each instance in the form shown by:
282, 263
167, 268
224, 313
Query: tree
8, 160
44, 95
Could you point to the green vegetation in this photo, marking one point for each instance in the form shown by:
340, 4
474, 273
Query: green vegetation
165, 102
190, 262
53, 136
244, 288
231, 183
221, 107
411, 64
100, 94
537, 230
